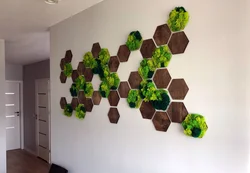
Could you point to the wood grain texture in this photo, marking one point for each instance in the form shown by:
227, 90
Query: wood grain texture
177, 112
134, 80
162, 34
123, 53
162, 78
147, 110
161, 121
114, 64
124, 89
147, 48
178, 89
20, 161
96, 97
96, 48
178, 43
113, 115
113, 98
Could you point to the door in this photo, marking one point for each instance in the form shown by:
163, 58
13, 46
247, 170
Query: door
43, 119
12, 113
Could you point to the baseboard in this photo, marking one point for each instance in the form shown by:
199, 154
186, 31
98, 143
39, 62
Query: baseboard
30, 151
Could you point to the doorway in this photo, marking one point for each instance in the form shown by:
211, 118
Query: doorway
42, 89
13, 114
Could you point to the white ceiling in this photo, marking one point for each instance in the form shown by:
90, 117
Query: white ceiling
24, 25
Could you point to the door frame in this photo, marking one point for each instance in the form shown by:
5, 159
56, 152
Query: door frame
20, 110
49, 118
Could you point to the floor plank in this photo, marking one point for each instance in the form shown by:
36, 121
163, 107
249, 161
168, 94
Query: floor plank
20, 161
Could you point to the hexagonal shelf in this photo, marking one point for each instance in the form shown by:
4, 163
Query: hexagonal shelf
161, 121
123, 53
162, 34
178, 89
88, 74
147, 110
177, 112
124, 89
74, 103
63, 102
114, 64
96, 97
178, 43
81, 97
147, 48
68, 56
81, 68
62, 63
134, 80
162, 78
63, 78
113, 115
96, 48
74, 75
113, 98
88, 105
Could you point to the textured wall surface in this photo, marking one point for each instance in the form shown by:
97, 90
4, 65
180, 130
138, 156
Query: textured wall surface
32, 72
213, 66
13, 72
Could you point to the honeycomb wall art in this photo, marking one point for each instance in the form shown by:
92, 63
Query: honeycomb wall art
151, 89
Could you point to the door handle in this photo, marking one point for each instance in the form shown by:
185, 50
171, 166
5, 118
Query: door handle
17, 113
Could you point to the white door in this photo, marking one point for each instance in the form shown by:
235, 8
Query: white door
43, 118
12, 113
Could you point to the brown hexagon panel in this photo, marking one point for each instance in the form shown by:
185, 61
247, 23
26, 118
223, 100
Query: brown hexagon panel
124, 89
74, 75
88, 74
113, 98
88, 105
177, 112
81, 68
81, 97
113, 115
134, 80
96, 48
162, 34
63, 102
74, 103
147, 48
96, 97
114, 64
123, 53
178, 89
147, 110
68, 56
178, 43
63, 78
62, 64
161, 121
162, 78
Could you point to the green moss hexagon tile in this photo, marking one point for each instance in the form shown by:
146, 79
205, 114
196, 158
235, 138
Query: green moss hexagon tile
148, 89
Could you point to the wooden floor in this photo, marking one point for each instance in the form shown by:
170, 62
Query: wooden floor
20, 161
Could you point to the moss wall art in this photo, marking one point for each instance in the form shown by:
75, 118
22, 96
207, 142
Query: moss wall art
151, 89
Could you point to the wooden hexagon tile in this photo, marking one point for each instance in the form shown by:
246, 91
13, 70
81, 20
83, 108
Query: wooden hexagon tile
96, 48
177, 112
123, 53
124, 89
178, 89
147, 48
162, 78
162, 34
134, 80
161, 121
178, 43
113, 115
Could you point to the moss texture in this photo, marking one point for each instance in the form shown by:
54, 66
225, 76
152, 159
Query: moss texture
178, 19
134, 40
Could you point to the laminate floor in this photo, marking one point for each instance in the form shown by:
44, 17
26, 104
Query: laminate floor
20, 161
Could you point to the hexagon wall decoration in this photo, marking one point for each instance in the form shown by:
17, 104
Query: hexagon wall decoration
81, 68
134, 80
147, 110
114, 64
162, 78
113, 115
63, 78
178, 89
74, 75
124, 89
113, 98
63, 102
96, 98
89, 105
62, 63
74, 103
123, 53
88, 74
178, 43
162, 34
96, 48
147, 48
81, 97
161, 121
177, 112
68, 56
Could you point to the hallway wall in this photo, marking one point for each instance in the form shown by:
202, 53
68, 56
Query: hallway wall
30, 74
13, 71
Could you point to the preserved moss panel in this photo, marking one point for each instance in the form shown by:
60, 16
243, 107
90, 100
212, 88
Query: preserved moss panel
147, 110
178, 43
162, 34
161, 121
123, 53
178, 19
147, 48
134, 80
96, 97
113, 98
134, 40
96, 48
177, 112
178, 89
113, 115
162, 78
124, 89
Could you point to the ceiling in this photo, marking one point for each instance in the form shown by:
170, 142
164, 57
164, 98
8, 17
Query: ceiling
25, 23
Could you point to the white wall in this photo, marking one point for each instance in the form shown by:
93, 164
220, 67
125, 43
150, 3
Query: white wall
2, 109
214, 67
13, 71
